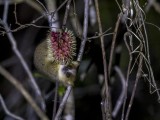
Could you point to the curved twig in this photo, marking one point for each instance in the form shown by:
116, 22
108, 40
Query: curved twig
7, 111
122, 95
18, 54
24, 92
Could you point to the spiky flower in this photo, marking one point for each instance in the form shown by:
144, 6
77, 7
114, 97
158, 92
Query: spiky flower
61, 46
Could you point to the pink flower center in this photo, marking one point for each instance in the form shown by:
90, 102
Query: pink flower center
61, 43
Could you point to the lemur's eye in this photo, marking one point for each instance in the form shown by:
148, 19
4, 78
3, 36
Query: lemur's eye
66, 71
68, 74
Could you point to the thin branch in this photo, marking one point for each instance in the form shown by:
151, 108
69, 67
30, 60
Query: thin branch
24, 92
95, 37
41, 4
103, 111
122, 95
85, 29
75, 21
34, 5
69, 110
52, 13
126, 10
128, 71
11, 1
22, 27
113, 43
5, 12
138, 75
31, 3
102, 47
66, 13
148, 55
64, 100
55, 100
107, 95
154, 25
18, 54
51, 6
103, 34
45, 15
25, 66
7, 111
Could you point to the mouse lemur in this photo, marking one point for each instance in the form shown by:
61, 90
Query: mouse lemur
54, 56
